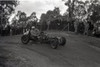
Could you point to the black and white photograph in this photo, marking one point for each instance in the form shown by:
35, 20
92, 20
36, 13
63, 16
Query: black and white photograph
49, 33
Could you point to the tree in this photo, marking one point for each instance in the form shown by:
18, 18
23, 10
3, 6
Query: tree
70, 4
95, 9
43, 23
50, 16
6, 9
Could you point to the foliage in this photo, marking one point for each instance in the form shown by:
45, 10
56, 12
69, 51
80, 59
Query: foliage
95, 8
49, 18
91, 8
50, 15
6, 8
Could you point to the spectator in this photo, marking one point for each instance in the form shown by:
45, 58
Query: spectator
91, 27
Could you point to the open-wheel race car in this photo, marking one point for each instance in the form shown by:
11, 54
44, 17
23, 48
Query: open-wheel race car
54, 42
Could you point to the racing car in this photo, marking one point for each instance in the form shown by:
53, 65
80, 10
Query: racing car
43, 37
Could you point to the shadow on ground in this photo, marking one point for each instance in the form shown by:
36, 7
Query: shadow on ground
3, 57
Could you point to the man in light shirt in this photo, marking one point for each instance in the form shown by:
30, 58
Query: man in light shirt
34, 31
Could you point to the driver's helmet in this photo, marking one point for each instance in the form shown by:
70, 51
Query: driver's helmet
33, 27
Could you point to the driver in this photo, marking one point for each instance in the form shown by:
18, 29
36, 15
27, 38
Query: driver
34, 31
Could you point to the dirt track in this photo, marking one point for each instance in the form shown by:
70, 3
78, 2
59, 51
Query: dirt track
79, 51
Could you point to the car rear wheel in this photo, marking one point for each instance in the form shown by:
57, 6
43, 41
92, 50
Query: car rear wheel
54, 43
62, 41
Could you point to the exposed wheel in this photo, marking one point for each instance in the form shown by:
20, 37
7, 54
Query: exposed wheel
62, 41
54, 43
25, 39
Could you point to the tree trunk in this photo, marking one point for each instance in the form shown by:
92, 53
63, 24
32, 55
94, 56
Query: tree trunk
86, 28
76, 23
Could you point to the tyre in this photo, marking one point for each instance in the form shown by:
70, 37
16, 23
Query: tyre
54, 43
25, 39
62, 41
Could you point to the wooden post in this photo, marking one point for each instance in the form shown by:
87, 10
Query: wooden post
68, 27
